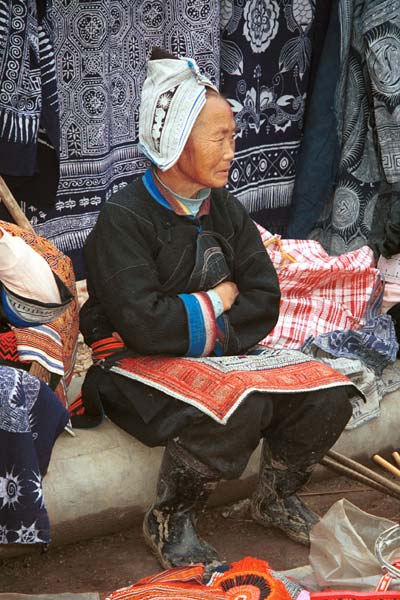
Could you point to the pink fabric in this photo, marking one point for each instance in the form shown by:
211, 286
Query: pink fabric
391, 295
320, 293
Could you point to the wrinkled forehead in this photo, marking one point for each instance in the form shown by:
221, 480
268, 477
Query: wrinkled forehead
216, 113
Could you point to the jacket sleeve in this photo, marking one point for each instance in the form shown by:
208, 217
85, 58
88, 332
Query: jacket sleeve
256, 309
123, 280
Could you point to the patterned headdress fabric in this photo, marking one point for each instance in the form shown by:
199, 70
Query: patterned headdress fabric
173, 95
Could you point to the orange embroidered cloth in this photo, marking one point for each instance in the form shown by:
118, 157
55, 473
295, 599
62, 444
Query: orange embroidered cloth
248, 579
217, 385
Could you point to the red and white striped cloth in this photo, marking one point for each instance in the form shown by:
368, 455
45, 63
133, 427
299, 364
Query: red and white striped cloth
320, 293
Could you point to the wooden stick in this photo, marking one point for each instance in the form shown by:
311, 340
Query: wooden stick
356, 466
358, 490
13, 207
349, 472
385, 464
396, 457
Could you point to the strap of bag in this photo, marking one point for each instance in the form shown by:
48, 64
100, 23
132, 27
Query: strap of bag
386, 579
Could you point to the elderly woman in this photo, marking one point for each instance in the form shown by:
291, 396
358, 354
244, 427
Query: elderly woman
177, 271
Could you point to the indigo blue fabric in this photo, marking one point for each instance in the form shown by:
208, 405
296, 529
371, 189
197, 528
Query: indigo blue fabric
318, 159
265, 65
28, 85
31, 418
101, 50
368, 116
375, 344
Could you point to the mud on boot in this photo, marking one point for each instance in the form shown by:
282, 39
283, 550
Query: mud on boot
274, 502
184, 486
290, 515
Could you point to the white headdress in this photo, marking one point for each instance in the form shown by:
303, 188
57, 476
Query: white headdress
173, 95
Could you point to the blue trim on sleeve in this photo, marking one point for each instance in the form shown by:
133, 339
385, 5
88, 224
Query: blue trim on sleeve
219, 347
197, 330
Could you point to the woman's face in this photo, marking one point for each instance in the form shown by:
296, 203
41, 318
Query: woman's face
207, 156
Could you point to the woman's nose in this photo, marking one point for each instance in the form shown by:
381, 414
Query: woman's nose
229, 150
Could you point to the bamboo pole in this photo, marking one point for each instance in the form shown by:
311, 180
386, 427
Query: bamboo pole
354, 468
331, 463
364, 470
396, 457
13, 207
385, 464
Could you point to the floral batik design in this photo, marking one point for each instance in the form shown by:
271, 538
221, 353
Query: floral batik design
265, 59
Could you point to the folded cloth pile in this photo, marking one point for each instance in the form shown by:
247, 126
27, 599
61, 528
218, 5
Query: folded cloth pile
248, 579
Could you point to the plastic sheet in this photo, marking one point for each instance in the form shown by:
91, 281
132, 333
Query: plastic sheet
342, 548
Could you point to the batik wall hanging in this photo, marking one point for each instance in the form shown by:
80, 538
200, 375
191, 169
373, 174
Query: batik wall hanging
28, 88
265, 59
368, 114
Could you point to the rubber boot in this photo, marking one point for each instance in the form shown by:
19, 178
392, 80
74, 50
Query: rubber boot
184, 486
274, 502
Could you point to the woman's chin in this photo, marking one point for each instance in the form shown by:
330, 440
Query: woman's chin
220, 179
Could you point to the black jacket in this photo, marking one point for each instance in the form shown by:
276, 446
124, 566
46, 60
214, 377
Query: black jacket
140, 256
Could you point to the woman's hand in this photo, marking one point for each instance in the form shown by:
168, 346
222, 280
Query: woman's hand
228, 292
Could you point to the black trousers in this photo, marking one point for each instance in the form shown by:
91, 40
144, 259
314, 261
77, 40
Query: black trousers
300, 428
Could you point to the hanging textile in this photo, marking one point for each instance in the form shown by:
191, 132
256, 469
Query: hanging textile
265, 59
28, 87
320, 145
101, 52
367, 108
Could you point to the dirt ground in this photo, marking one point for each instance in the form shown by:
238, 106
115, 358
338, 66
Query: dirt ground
107, 563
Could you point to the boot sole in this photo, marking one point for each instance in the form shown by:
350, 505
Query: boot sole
300, 539
153, 546
157, 552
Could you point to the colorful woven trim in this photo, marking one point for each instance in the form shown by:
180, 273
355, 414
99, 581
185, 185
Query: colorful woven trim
76, 407
23, 312
201, 324
41, 344
217, 385
106, 347
8, 347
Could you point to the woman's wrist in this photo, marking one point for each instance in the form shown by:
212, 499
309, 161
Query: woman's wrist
217, 303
